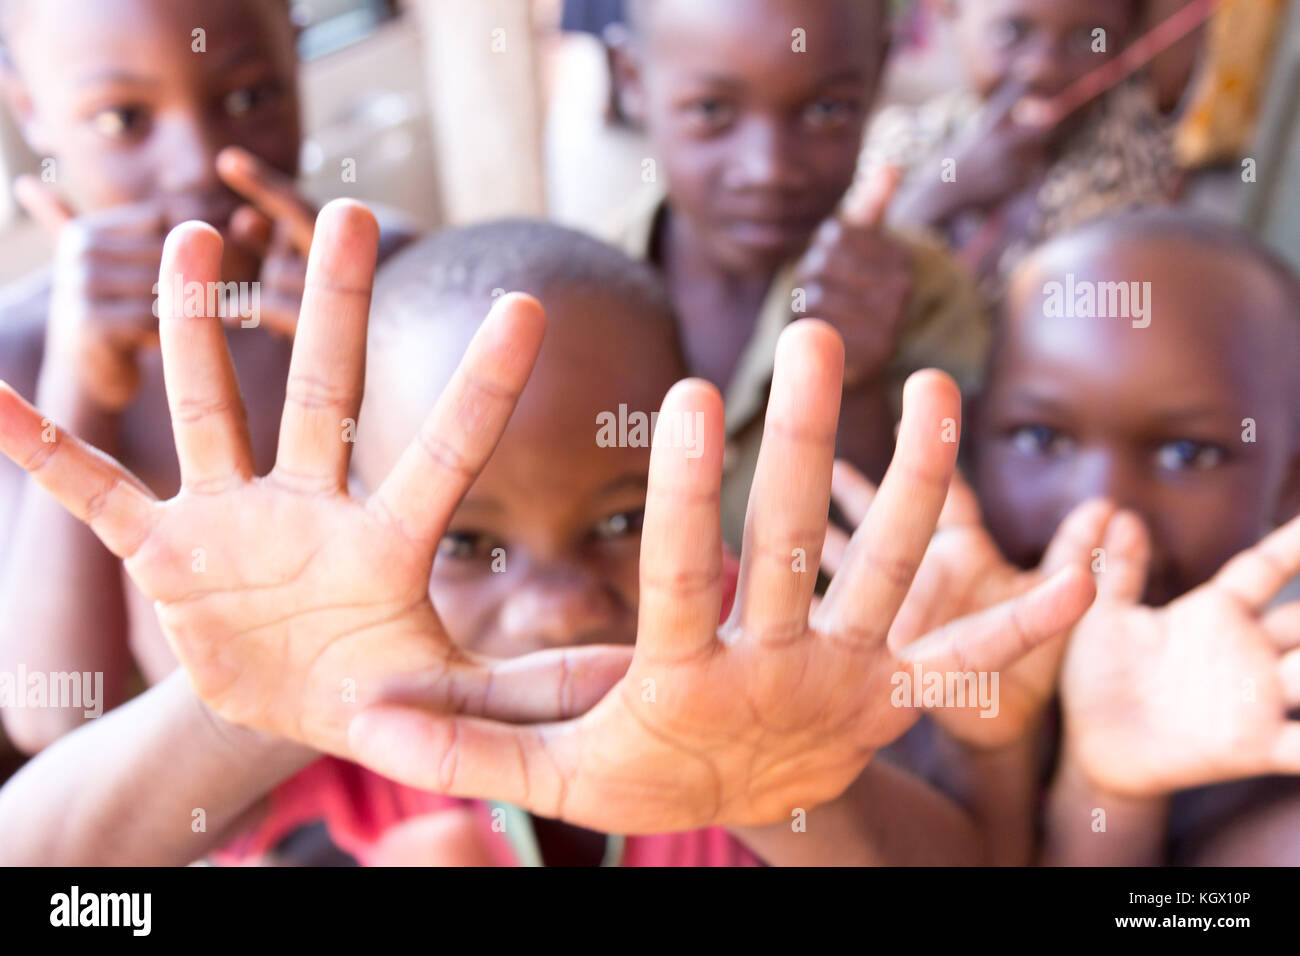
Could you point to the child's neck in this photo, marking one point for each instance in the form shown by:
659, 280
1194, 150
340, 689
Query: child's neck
563, 844
717, 309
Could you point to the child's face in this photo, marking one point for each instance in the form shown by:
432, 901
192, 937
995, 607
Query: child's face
758, 142
115, 91
1046, 44
1150, 417
543, 552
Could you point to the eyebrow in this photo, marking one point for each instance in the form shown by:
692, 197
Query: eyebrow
633, 481
113, 75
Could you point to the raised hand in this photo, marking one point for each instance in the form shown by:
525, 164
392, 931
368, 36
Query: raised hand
289, 603
276, 226
963, 575
775, 710
858, 279
102, 301
1195, 692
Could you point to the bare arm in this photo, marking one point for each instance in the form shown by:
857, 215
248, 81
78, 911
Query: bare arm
887, 817
123, 789
1088, 826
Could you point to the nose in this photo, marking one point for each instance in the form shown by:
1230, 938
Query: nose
1106, 474
767, 158
557, 606
190, 150
1042, 69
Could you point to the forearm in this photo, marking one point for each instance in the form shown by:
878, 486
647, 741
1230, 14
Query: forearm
1089, 826
888, 817
999, 787
61, 604
124, 790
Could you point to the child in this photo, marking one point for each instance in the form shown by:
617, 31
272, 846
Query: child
755, 113
1184, 411
313, 608
1011, 183
147, 122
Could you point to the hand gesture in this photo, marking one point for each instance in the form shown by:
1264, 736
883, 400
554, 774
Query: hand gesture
856, 278
775, 710
1003, 153
964, 574
1195, 692
290, 603
102, 301
276, 226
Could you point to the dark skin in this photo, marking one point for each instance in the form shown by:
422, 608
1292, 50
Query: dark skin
565, 511
759, 145
135, 120
1012, 51
1151, 418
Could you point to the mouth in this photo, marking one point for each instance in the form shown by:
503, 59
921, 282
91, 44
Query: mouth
778, 233
214, 210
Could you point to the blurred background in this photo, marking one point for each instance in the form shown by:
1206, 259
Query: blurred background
457, 110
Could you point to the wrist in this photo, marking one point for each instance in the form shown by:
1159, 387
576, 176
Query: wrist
279, 756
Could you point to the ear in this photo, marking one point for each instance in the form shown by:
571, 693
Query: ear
19, 100
626, 74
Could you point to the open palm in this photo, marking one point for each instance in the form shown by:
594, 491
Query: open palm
964, 574
782, 706
1195, 692
290, 604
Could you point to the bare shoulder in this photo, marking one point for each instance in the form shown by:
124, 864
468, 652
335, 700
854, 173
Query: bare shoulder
24, 307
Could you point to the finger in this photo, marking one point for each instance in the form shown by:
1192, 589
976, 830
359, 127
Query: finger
1256, 575
1078, 537
1000, 106
1283, 625
887, 549
458, 435
42, 204
547, 685
93, 488
208, 419
789, 498
459, 756
1286, 748
271, 191
327, 369
960, 508
251, 229
868, 201
1288, 671
681, 533
834, 547
1127, 551
1001, 635
851, 491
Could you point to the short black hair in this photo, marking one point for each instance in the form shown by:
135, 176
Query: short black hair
512, 255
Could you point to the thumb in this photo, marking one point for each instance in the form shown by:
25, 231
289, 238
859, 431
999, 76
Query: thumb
1127, 551
868, 200
42, 204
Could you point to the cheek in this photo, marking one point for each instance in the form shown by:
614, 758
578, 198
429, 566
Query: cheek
1203, 525
100, 176
1021, 502
466, 604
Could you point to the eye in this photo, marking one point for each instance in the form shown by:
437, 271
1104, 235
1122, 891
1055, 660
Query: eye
1009, 32
710, 111
616, 526
827, 113
118, 122
246, 99
1188, 455
466, 546
1039, 440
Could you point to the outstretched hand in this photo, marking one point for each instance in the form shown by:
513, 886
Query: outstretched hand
291, 604
782, 706
964, 575
1195, 692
